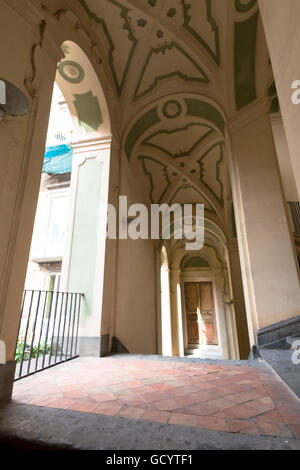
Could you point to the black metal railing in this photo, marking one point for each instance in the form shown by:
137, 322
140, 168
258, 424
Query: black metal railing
48, 330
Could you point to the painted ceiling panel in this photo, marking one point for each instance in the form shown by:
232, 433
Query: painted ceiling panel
157, 176
163, 62
179, 142
187, 194
199, 21
112, 18
212, 171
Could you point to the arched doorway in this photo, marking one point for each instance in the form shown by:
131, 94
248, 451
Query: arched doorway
62, 305
201, 309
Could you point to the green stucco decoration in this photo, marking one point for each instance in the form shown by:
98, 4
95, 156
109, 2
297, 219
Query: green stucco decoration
185, 187
139, 128
196, 262
202, 164
124, 15
71, 71
88, 111
215, 54
65, 49
171, 12
163, 169
141, 22
172, 109
244, 61
201, 78
181, 153
195, 107
206, 111
152, 3
244, 7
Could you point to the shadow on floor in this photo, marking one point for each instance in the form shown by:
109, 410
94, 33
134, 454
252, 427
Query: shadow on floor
15, 443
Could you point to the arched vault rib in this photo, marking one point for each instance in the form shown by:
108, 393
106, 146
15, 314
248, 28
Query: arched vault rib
187, 176
211, 58
176, 142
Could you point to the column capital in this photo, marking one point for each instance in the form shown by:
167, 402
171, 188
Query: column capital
94, 143
175, 273
233, 246
276, 118
249, 114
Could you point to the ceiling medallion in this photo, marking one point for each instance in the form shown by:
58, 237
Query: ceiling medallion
172, 109
71, 71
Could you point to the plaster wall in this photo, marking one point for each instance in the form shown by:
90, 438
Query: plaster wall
136, 319
22, 148
281, 23
285, 165
270, 273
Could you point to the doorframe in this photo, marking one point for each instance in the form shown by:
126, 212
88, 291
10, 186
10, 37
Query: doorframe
206, 275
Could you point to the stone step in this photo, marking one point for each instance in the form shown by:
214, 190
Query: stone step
294, 341
198, 353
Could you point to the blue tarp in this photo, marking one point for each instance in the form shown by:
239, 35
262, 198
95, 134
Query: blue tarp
58, 159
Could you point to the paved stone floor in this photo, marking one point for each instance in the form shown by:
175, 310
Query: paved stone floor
241, 398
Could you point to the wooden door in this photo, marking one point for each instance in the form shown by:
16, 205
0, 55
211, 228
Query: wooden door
192, 312
200, 313
208, 316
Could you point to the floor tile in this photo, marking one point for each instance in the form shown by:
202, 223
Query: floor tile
237, 399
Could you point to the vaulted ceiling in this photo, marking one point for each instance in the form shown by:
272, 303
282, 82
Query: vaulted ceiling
178, 70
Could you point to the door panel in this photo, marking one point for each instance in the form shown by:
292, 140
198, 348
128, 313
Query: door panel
192, 311
208, 313
200, 313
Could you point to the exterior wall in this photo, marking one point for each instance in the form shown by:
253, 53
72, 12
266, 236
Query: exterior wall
50, 224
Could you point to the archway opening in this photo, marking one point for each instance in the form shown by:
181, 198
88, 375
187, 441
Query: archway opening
62, 302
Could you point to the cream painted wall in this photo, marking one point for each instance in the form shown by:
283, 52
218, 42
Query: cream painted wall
284, 160
136, 317
281, 21
22, 148
270, 274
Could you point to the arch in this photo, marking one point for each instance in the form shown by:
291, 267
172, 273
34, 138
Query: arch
169, 109
195, 262
209, 225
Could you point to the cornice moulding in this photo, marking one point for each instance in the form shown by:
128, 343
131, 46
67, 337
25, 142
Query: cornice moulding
249, 115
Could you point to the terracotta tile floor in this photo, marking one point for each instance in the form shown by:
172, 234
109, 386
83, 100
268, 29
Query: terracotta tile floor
238, 399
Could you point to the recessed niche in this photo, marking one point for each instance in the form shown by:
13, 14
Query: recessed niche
13, 100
